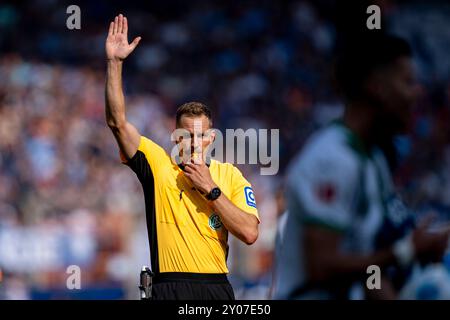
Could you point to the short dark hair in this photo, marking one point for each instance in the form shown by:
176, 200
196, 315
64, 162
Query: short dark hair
360, 56
193, 109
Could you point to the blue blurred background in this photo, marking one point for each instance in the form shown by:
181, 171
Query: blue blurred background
65, 199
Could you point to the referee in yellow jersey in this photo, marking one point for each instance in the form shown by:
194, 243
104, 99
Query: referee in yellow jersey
190, 206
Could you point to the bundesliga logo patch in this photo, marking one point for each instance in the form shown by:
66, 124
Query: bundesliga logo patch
250, 197
214, 222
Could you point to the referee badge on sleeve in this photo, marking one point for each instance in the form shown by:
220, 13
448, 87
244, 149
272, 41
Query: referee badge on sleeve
214, 221
250, 197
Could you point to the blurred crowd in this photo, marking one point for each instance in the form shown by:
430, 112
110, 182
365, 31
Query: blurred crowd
65, 198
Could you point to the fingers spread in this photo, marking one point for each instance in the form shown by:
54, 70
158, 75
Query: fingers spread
111, 29
116, 25
120, 23
125, 25
135, 42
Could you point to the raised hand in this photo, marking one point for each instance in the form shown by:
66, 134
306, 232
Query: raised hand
117, 46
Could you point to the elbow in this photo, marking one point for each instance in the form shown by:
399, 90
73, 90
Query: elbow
115, 125
251, 236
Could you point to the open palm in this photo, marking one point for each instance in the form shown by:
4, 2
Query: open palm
117, 46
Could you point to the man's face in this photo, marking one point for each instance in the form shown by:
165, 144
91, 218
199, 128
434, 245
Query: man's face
397, 91
200, 136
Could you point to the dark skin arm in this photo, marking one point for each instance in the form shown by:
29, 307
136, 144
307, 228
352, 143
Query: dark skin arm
386, 292
326, 264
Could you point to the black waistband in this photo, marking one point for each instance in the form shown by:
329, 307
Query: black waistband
190, 277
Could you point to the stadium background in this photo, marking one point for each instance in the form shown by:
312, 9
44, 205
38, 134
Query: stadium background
65, 199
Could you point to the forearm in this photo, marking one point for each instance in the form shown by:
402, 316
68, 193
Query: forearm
347, 267
114, 97
325, 260
385, 292
354, 264
241, 224
117, 49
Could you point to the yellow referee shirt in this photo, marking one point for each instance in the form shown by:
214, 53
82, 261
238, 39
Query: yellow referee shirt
185, 234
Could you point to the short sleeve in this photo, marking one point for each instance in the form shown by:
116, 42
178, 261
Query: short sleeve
242, 194
149, 156
322, 189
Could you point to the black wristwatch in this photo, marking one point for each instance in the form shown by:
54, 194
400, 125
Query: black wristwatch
214, 194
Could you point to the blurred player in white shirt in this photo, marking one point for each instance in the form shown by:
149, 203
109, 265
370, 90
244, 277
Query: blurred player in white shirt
343, 213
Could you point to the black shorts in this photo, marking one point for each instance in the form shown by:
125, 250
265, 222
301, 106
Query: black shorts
191, 286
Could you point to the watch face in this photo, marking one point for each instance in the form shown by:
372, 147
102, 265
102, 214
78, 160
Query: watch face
215, 193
